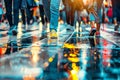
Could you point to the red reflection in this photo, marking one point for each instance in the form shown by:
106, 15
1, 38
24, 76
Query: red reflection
106, 53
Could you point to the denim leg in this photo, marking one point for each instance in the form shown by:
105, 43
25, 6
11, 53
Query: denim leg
54, 14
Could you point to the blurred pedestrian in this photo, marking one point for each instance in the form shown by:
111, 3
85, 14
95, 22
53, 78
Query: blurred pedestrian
43, 16
116, 9
1, 11
12, 6
96, 11
110, 14
52, 12
28, 11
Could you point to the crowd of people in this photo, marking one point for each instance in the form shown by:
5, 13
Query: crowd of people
71, 11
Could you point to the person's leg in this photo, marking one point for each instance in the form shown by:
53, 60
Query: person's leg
44, 24
46, 5
67, 10
110, 20
23, 16
24, 19
72, 14
41, 9
0, 18
28, 14
16, 6
54, 14
8, 5
99, 21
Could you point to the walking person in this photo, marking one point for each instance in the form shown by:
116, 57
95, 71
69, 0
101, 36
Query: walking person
51, 8
12, 14
27, 14
42, 15
12, 6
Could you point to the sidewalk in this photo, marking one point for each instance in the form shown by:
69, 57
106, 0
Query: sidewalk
34, 57
107, 32
110, 28
110, 34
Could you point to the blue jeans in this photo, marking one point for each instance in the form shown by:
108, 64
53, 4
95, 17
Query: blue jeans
52, 12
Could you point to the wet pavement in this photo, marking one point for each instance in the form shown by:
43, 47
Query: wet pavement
77, 56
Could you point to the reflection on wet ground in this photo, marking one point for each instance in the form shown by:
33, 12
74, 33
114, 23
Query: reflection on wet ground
76, 59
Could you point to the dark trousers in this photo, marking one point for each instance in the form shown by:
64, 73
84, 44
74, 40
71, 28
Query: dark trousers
116, 9
42, 14
26, 15
46, 5
70, 12
12, 19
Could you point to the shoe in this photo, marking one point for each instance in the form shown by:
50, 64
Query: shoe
12, 31
53, 37
9, 32
53, 34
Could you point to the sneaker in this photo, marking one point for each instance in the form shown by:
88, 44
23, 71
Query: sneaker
12, 31
53, 34
52, 37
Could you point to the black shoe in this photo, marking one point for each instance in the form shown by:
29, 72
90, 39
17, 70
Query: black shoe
13, 31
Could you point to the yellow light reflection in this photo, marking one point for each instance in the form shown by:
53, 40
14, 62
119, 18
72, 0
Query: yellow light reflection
65, 55
74, 72
73, 59
75, 67
67, 45
35, 57
50, 59
72, 55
